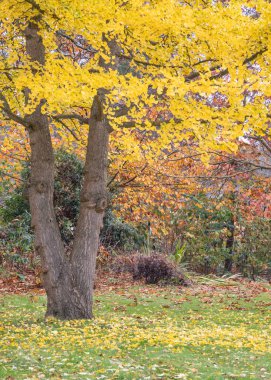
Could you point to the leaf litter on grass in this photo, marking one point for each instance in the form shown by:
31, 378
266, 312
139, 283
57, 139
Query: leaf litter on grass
168, 332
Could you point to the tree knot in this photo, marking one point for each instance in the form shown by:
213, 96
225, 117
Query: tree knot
41, 187
98, 205
101, 205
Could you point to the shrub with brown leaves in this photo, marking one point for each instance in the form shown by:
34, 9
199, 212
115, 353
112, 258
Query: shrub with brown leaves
154, 269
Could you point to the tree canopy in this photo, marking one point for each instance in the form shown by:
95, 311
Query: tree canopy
174, 69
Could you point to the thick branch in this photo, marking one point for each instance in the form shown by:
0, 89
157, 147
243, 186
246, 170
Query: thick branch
35, 5
81, 119
7, 110
195, 74
224, 72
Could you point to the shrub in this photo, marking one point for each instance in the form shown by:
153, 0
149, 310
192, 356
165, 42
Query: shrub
119, 235
253, 256
15, 213
16, 233
68, 184
16, 239
207, 233
154, 269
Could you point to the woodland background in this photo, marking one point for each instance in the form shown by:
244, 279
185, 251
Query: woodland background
207, 219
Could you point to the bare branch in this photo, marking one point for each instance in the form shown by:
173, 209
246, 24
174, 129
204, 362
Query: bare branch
88, 48
255, 55
5, 174
134, 177
68, 129
224, 72
113, 178
261, 141
207, 177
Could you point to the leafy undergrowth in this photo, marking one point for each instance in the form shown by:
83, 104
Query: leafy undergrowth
142, 332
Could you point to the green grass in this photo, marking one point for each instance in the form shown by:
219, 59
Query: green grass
141, 333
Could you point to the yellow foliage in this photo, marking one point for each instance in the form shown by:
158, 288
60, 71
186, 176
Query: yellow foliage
167, 46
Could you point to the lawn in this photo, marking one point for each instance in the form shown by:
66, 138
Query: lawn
142, 332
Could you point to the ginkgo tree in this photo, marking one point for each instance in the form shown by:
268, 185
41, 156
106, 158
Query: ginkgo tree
103, 65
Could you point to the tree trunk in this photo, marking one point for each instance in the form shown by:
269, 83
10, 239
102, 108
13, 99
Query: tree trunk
68, 279
230, 245
92, 207
48, 242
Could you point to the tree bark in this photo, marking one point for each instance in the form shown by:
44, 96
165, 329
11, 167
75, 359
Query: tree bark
68, 279
92, 207
48, 244
230, 245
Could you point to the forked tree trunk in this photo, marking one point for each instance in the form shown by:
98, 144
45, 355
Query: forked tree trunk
68, 279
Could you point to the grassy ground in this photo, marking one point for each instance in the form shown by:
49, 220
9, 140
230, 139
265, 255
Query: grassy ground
142, 332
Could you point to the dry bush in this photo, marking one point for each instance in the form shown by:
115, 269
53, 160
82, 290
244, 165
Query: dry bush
154, 269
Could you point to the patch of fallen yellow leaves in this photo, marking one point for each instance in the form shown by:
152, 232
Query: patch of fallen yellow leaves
131, 332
